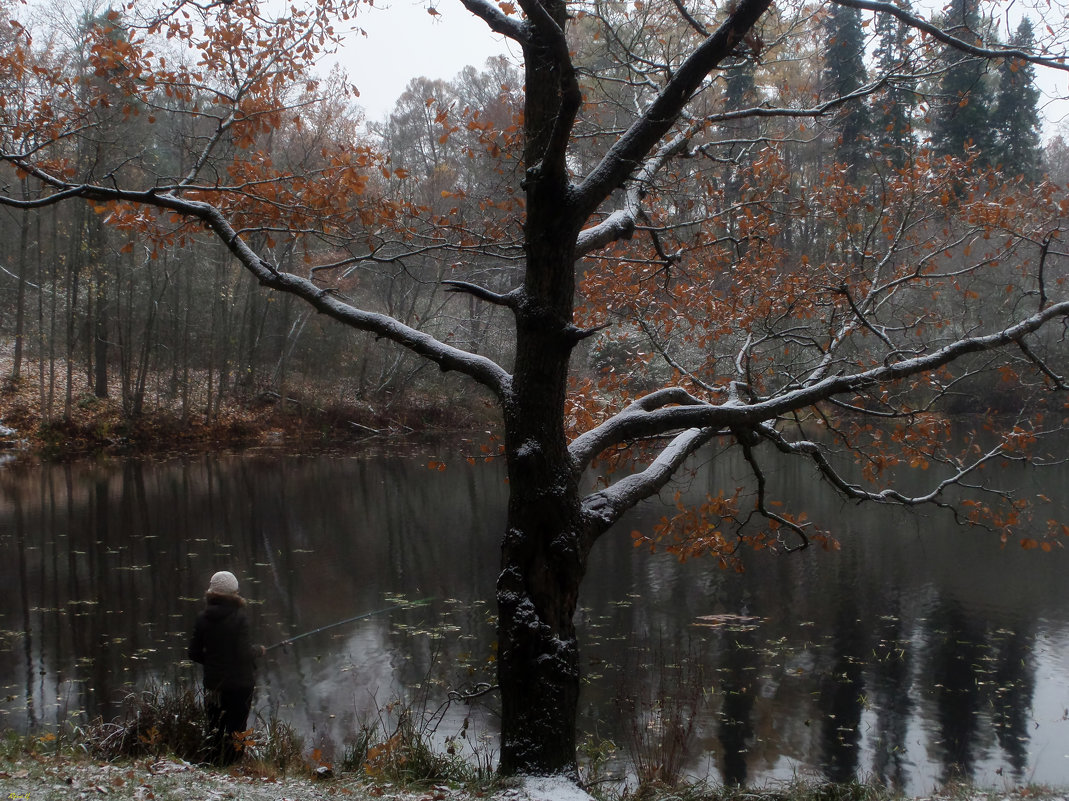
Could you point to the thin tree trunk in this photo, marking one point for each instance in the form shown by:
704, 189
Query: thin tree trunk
124, 332
100, 337
186, 331
54, 309
148, 340
20, 296
41, 345
72, 310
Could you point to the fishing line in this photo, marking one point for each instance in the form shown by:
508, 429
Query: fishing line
402, 605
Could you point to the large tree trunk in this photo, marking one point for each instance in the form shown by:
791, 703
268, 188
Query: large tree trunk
543, 561
544, 551
538, 655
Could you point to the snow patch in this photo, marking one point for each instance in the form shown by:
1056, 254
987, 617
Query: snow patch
546, 788
529, 449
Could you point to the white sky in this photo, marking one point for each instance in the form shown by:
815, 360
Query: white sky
404, 41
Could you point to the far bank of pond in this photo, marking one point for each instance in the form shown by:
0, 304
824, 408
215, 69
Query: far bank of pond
917, 654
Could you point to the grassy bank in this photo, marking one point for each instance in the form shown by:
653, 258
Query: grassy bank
43, 777
152, 754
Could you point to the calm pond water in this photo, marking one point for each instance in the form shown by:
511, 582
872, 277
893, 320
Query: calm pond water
917, 653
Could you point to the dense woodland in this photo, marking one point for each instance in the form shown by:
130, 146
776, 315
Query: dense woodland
796, 231
87, 310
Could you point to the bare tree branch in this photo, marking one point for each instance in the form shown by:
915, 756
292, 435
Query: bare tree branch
629, 151
937, 33
507, 299
447, 357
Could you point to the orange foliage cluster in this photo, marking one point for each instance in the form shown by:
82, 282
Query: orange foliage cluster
770, 282
240, 94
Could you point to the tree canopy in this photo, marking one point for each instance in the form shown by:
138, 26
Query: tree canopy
639, 251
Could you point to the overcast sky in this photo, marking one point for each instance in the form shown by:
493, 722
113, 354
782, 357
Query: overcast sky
404, 41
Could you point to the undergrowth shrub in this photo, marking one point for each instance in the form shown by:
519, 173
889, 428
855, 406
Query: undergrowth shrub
404, 752
276, 748
156, 721
659, 726
161, 721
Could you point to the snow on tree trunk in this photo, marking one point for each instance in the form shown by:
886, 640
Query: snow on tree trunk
543, 555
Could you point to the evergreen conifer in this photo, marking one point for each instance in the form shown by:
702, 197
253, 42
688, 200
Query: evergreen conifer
1015, 118
963, 106
844, 73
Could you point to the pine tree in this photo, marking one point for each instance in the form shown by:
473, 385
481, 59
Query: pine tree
844, 73
740, 89
963, 108
893, 109
1015, 119
740, 92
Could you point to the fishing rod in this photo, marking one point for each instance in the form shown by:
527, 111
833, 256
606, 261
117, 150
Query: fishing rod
402, 605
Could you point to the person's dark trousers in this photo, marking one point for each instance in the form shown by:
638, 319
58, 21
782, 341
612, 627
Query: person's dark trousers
228, 714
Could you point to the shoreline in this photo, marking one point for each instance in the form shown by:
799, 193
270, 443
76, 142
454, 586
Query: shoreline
36, 777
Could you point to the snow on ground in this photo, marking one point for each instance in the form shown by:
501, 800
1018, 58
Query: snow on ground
546, 788
64, 779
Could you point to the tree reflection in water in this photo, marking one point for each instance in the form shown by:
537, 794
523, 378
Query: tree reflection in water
738, 669
910, 658
982, 681
892, 661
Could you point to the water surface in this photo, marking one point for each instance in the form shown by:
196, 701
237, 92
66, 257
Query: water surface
916, 654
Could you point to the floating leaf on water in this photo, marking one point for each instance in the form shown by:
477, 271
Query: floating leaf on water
736, 622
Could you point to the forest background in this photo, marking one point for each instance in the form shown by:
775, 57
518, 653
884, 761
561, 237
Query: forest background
791, 232
111, 342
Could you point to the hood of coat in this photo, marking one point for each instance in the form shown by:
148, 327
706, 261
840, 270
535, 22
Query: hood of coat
220, 605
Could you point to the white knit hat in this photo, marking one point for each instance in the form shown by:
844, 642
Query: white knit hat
223, 583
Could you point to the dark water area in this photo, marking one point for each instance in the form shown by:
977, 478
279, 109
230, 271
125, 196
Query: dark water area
916, 654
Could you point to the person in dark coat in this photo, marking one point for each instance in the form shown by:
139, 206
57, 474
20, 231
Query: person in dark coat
221, 643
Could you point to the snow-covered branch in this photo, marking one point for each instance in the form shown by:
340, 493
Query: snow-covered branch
937, 33
497, 21
480, 368
585, 447
674, 409
621, 223
642, 136
602, 509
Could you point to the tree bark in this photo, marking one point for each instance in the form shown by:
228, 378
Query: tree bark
20, 298
544, 551
543, 559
